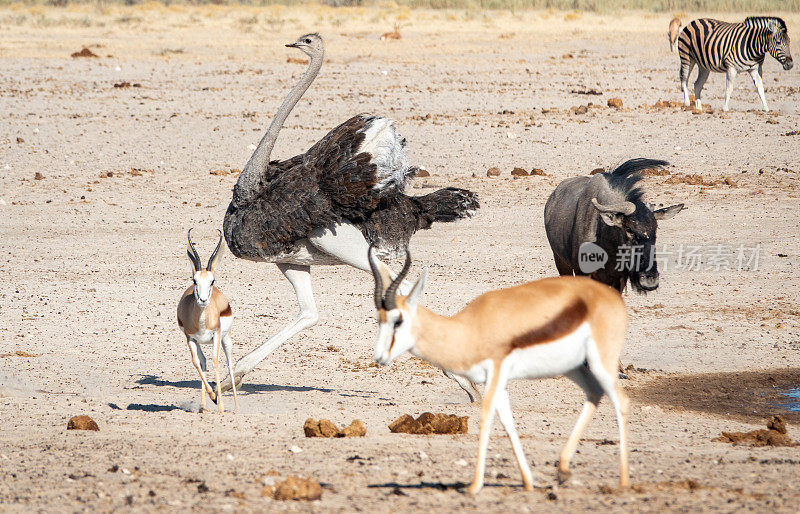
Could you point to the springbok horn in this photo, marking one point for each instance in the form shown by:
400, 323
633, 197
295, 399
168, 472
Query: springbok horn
378, 278
624, 208
193, 253
219, 243
388, 301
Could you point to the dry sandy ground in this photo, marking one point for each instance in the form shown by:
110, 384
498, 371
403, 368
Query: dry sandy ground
93, 267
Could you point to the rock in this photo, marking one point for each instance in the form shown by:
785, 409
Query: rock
596, 171
519, 172
422, 173
85, 52
581, 109
326, 428
38, 176
774, 435
493, 172
615, 103
82, 422
356, 429
537, 172
294, 488
428, 423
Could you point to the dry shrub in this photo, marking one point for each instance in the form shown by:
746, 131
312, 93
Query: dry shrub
85, 52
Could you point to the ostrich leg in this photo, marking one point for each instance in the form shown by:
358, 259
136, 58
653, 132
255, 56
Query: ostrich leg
347, 244
300, 278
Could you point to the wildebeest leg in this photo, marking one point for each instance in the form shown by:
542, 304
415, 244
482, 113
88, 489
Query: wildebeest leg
562, 267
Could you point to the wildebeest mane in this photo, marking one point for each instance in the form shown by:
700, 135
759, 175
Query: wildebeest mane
625, 178
761, 21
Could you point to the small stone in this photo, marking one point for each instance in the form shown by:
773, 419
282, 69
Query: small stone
82, 422
615, 103
38, 176
295, 449
519, 172
356, 429
537, 172
596, 171
423, 173
493, 172
294, 488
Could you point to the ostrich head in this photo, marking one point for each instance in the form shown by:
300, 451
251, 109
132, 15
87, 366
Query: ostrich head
310, 44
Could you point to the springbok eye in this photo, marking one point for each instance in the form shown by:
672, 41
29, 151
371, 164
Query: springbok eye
212, 282
398, 322
308, 41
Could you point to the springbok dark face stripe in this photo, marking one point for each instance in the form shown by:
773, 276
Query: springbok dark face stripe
561, 325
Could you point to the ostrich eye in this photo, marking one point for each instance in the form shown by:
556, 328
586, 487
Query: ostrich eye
308, 41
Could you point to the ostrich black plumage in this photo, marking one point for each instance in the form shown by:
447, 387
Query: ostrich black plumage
328, 205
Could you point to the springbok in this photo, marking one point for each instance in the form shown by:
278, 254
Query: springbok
205, 316
571, 326
674, 30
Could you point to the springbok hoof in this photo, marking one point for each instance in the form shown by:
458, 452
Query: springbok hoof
563, 476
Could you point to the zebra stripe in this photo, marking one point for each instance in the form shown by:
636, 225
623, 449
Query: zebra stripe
729, 48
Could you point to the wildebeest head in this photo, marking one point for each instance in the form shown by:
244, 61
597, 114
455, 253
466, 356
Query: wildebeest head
633, 223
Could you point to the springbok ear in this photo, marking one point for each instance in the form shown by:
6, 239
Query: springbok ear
416, 291
666, 213
612, 219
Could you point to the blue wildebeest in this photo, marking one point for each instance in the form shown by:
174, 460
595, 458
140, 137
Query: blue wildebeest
599, 226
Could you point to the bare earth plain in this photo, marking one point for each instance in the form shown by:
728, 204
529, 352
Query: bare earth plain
93, 265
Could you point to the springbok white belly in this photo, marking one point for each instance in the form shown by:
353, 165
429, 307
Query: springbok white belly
541, 360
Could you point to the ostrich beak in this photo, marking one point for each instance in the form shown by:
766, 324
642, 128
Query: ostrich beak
292, 45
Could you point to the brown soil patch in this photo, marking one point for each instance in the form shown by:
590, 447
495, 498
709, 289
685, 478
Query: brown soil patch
667, 104
428, 423
19, 353
699, 180
326, 428
616, 103
296, 60
774, 435
85, 52
82, 422
741, 395
422, 173
657, 172
493, 172
294, 488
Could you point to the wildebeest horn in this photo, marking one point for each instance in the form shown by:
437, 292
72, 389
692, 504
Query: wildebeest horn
388, 300
213, 255
624, 208
376, 274
193, 253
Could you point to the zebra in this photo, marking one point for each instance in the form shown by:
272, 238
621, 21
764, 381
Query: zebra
731, 48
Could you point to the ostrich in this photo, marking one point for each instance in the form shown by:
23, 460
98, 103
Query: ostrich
326, 206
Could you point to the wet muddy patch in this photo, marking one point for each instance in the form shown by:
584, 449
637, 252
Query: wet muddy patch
742, 395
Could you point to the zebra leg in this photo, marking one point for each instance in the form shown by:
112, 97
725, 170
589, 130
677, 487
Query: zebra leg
702, 76
686, 70
758, 81
730, 76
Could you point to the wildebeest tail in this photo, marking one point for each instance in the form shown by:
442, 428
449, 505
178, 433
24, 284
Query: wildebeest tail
444, 205
636, 166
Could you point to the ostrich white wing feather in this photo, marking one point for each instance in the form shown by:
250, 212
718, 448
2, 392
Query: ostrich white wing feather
387, 149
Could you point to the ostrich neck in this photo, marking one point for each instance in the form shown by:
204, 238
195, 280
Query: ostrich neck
257, 165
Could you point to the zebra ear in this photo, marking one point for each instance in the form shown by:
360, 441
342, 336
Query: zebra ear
773, 27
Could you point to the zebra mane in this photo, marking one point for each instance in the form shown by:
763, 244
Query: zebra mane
763, 22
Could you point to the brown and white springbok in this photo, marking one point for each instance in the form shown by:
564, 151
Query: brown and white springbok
674, 30
205, 316
571, 326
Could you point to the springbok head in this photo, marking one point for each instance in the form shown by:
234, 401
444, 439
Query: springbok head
203, 277
396, 313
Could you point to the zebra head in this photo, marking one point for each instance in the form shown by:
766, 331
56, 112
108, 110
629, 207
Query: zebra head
778, 44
